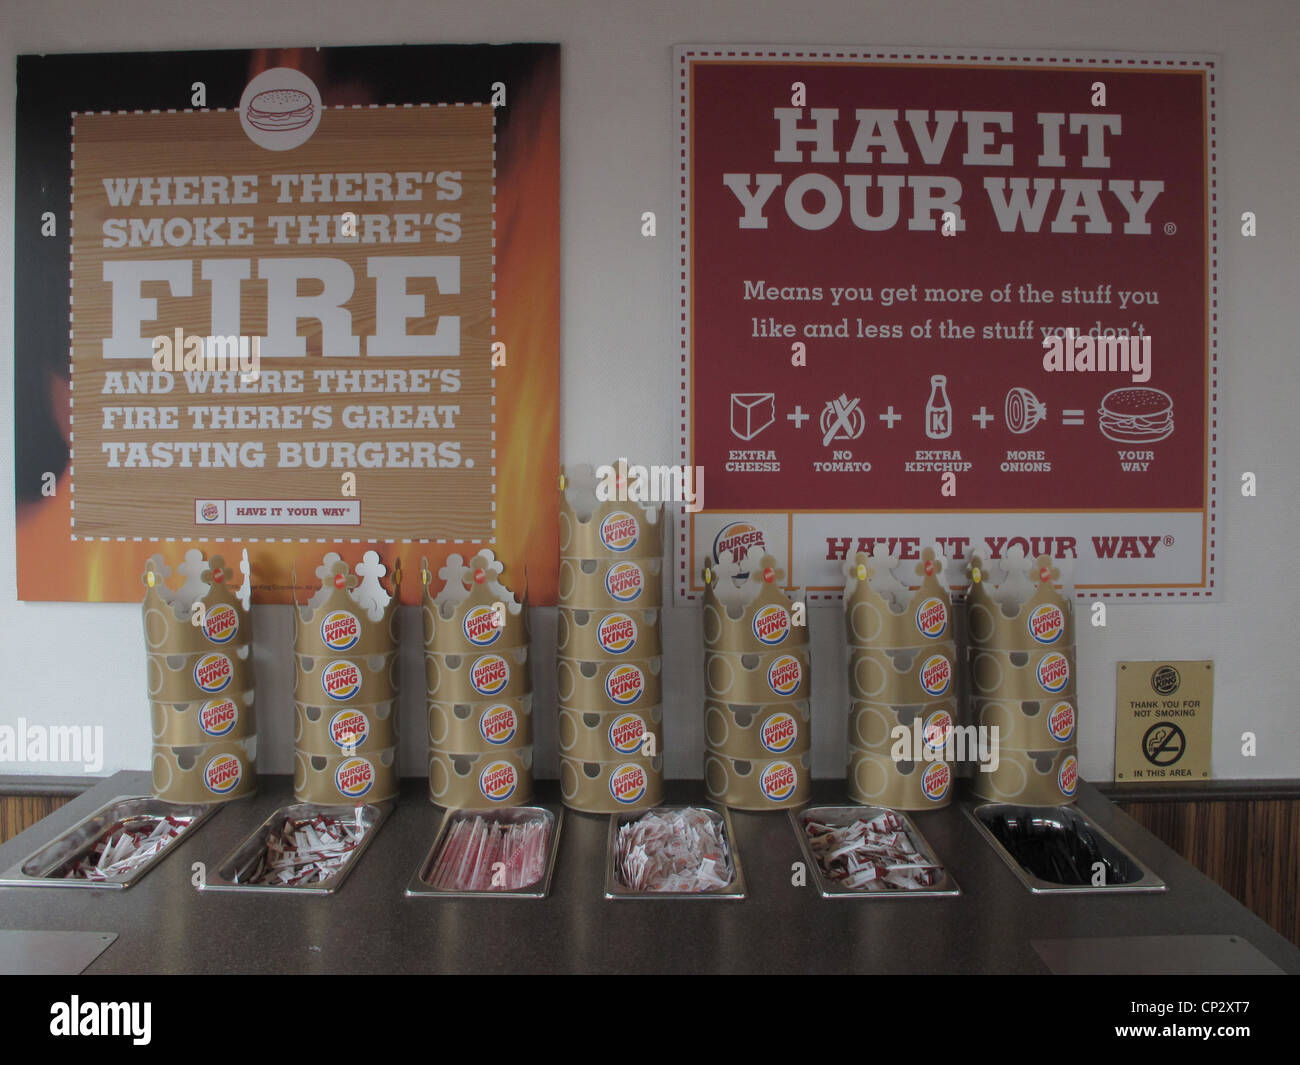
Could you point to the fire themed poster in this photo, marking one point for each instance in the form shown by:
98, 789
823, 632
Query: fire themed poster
284, 299
935, 295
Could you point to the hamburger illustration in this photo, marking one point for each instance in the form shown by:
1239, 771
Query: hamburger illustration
1136, 415
278, 110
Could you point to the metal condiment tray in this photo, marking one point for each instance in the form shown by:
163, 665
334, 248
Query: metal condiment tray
42, 867
419, 885
615, 889
373, 815
845, 815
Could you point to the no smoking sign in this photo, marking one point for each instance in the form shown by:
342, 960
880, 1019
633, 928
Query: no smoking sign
1163, 720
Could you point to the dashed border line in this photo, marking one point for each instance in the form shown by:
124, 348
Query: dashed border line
492, 396
1207, 65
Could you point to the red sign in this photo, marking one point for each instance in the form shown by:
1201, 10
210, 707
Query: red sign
952, 297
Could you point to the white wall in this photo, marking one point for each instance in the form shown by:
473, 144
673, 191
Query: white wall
67, 663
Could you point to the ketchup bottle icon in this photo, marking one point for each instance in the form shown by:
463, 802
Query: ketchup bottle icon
938, 411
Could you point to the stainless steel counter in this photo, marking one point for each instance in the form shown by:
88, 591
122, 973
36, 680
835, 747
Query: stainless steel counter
164, 924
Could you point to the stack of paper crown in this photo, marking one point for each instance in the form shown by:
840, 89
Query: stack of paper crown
346, 642
757, 688
1022, 681
479, 687
608, 670
902, 683
200, 681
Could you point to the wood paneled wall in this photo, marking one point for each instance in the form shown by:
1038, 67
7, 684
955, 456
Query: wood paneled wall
1249, 846
20, 812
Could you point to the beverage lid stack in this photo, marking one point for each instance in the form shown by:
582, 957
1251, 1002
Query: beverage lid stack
609, 663
198, 642
346, 643
1021, 661
478, 686
757, 683
902, 681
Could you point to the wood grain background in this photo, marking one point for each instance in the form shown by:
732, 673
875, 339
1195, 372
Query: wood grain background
399, 503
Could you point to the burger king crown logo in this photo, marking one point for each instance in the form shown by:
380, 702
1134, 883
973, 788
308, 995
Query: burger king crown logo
628, 783
778, 781
882, 610
745, 609
222, 774
351, 612
354, 777
1019, 606
498, 724
218, 716
936, 780
627, 733
349, 729
778, 732
596, 527
1067, 776
204, 614
624, 582
498, 781
473, 609
624, 685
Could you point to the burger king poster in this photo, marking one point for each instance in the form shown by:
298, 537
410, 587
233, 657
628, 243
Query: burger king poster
944, 295
286, 298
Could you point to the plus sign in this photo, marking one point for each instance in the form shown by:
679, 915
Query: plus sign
983, 417
798, 416
890, 416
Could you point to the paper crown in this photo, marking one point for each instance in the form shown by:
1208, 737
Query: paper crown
749, 616
594, 584
473, 610
1023, 613
351, 613
605, 635
172, 626
881, 611
592, 528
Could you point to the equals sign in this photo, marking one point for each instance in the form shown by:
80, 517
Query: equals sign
1071, 417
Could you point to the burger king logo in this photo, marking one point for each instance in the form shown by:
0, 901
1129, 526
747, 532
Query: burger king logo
771, 624
354, 777
932, 618
624, 581
1046, 623
221, 623
616, 634
349, 729
218, 716
498, 781
489, 674
628, 783
936, 780
1067, 776
222, 774
1060, 721
1054, 672
936, 730
936, 675
778, 733
213, 673
627, 733
738, 537
339, 631
210, 512
498, 724
341, 680
778, 781
624, 685
785, 675
620, 531
480, 626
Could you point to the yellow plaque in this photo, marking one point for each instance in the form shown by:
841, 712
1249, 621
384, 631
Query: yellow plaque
1164, 720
